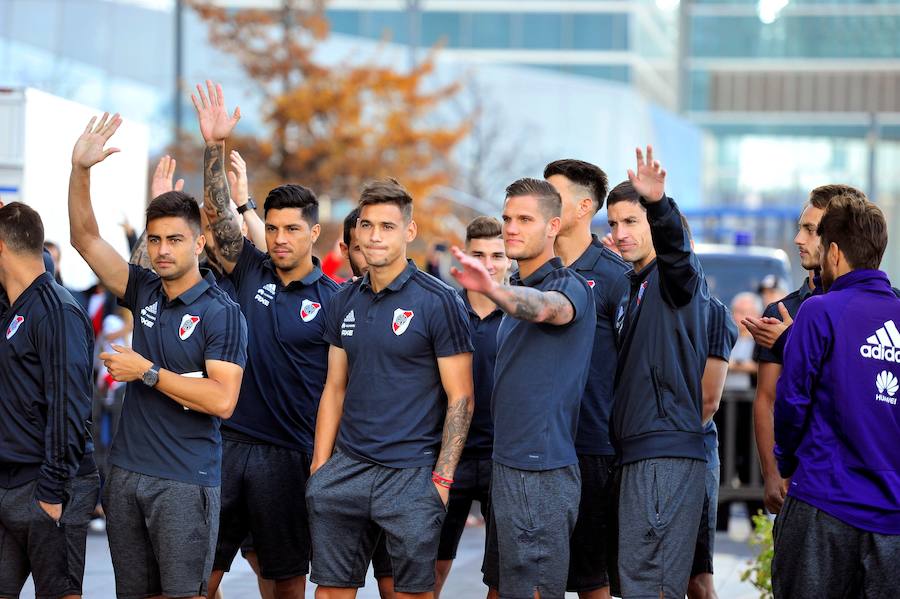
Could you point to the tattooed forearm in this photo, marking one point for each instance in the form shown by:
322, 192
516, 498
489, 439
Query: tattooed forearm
139, 254
456, 427
217, 205
526, 303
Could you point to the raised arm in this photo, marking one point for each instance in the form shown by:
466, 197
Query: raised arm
456, 377
679, 269
104, 260
240, 193
216, 126
331, 407
524, 303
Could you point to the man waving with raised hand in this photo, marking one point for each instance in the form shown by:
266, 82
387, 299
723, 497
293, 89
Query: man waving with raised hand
184, 371
657, 406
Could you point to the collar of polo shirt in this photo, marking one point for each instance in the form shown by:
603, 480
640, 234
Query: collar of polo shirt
538, 275
398, 283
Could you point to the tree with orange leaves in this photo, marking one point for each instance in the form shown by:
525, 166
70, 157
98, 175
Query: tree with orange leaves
335, 127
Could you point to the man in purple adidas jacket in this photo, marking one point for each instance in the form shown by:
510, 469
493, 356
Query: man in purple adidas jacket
837, 422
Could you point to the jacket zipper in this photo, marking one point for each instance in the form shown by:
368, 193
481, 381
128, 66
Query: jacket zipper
654, 376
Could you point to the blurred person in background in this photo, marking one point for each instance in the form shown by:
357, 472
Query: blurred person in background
742, 367
51, 248
771, 289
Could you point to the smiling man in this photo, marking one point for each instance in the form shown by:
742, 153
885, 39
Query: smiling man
399, 367
161, 496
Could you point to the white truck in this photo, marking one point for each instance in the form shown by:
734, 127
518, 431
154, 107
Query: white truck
37, 132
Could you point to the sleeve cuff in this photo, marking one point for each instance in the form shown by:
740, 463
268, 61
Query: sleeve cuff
657, 210
49, 491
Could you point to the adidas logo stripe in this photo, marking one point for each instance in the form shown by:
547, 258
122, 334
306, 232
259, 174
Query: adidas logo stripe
884, 344
888, 335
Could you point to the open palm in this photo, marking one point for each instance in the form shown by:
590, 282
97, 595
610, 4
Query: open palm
649, 181
88, 150
473, 275
215, 124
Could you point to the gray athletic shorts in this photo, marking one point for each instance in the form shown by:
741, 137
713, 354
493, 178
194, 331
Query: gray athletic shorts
660, 505
817, 555
162, 534
350, 501
31, 542
532, 518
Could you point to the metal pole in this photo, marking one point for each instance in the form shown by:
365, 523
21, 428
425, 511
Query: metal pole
872, 172
683, 56
415, 28
179, 68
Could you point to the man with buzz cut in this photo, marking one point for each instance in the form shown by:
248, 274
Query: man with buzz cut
837, 421
268, 441
48, 478
161, 496
582, 187
543, 347
399, 366
657, 417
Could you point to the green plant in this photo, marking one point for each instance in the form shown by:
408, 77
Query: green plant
759, 572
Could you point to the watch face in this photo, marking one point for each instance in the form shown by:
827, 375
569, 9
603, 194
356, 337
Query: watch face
150, 378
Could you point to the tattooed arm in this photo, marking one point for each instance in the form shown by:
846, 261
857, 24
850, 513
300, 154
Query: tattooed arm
216, 126
217, 205
524, 303
456, 377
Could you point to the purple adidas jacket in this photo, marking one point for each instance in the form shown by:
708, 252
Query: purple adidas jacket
837, 418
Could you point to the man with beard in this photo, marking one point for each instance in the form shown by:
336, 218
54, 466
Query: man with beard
837, 422
770, 362
161, 497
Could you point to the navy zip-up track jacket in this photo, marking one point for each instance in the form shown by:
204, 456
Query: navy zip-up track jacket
663, 346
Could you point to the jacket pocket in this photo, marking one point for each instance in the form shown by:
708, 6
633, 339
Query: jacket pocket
657, 392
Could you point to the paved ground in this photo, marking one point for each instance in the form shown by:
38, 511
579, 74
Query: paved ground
732, 553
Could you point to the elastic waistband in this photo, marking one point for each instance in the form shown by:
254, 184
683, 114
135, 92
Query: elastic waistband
662, 444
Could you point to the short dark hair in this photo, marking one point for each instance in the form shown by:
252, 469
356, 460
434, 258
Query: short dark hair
820, 196
584, 174
350, 224
175, 204
51, 244
548, 198
387, 191
294, 196
21, 229
858, 228
483, 227
623, 192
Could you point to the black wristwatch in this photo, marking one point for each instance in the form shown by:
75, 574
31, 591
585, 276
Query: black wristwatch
250, 205
151, 377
